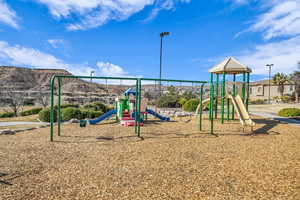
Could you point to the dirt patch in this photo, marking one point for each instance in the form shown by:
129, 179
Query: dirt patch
174, 161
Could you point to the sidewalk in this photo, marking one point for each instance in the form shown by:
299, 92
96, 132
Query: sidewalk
21, 123
275, 117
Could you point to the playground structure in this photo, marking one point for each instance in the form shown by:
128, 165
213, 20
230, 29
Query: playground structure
125, 110
240, 105
131, 109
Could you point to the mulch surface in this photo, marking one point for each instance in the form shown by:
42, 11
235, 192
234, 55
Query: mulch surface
173, 161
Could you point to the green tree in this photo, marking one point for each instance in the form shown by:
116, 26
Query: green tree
295, 78
188, 95
172, 90
281, 79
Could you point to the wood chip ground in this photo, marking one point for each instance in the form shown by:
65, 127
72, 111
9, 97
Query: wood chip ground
174, 161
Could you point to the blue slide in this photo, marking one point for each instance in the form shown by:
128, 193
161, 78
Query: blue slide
103, 117
155, 114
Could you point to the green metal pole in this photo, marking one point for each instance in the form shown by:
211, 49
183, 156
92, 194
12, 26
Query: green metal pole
234, 93
139, 107
52, 108
223, 96
201, 107
228, 108
59, 107
217, 96
248, 91
211, 107
244, 88
136, 106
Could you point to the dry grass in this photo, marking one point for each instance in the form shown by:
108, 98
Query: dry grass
174, 161
30, 118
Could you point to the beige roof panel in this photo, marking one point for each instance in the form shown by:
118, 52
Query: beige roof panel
230, 66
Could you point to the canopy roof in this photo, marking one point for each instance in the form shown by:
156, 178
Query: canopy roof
230, 66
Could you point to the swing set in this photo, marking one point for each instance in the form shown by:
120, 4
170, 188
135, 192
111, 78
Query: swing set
229, 66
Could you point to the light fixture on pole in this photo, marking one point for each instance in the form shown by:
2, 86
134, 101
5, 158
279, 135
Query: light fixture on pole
162, 34
270, 68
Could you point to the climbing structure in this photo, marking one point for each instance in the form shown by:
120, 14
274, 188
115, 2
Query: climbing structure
239, 104
125, 110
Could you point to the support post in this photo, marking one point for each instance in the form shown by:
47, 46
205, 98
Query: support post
136, 106
139, 107
223, 96
248, 91
52, 108
217, 96
234, 93
244, 88
201, 107
211, 106
59, 108
228, 108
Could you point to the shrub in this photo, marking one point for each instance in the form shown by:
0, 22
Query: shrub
182, 101
169, 101
289, 112
32, 111
7, 114
70, 113
44, 115
28, 102
69, 105
96, 106
286, 99
90, 114
191, 105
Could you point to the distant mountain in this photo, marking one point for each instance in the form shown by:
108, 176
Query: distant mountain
32, 82
24, 79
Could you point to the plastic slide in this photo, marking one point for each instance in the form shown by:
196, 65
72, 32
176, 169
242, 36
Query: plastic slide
155, 114
241, 111
103, 117
205, 103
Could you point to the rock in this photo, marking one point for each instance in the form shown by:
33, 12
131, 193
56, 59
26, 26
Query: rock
74, 121
7, 132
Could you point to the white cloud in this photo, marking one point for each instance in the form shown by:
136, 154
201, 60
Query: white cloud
29, 57
283, 19
8, 16
20, 55
284, 55
109, 69
94, 13
280, 21
56, 43
164, 5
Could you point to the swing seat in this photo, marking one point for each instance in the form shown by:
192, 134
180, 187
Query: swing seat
82, 123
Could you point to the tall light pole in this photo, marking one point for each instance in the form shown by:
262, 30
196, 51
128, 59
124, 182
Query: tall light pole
270, 68
162, 35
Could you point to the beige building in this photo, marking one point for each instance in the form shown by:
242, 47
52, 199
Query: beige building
260, 90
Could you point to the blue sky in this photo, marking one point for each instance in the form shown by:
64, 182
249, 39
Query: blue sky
121, 37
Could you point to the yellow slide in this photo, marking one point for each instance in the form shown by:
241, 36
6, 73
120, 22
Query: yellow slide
205, 103
241, 111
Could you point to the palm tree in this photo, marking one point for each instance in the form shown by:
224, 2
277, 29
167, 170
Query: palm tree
280, 79
295, 77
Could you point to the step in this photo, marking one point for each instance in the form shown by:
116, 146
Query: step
127, 118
